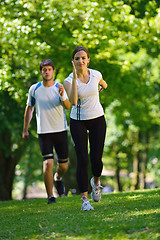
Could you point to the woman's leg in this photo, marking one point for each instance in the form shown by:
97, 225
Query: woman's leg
97, 132
80, 139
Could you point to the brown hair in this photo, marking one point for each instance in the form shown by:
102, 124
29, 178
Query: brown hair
46, 62
78, 49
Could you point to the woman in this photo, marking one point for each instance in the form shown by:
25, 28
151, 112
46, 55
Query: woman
86, 119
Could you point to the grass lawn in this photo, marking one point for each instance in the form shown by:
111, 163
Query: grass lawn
126, 215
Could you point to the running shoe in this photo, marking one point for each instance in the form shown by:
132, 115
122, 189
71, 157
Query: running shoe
96, 191
86, 206
51, 200
59, 186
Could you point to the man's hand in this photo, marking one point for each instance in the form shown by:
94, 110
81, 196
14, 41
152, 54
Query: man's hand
61, 89
25, 135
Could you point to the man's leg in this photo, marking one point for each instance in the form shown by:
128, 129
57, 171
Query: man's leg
61, 148
46, 146
61, 169
48, 176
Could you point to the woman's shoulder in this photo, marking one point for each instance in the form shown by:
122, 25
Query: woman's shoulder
96, 73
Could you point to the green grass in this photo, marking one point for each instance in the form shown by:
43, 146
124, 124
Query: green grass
127, 215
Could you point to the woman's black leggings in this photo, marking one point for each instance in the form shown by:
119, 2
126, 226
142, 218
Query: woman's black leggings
80, 130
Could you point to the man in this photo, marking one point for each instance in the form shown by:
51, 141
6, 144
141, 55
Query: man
50, 100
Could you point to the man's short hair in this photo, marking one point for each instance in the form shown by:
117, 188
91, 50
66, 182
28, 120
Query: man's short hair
46, 62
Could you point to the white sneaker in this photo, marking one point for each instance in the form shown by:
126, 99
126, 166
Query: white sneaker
55, 178
86, 206
96, 191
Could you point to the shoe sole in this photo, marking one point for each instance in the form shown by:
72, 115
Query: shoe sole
51, 202
87, 209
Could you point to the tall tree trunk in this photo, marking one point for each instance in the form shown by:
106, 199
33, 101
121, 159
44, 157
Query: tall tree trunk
7, 172
144, 162
11, 143
135, 172
143, 170
136, 166
118, 186
24, 194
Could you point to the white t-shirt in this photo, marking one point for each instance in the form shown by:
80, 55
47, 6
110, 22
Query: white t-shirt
88, 106
50, 113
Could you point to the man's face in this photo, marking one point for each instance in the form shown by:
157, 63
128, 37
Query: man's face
47, 73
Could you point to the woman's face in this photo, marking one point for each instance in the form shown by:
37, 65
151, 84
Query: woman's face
81, 60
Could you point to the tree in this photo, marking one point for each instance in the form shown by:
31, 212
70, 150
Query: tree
11, 148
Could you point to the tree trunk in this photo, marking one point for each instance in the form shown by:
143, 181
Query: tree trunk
7, 172
11, 143
136, 165
118, 186
143, 170
135, 172
24, 194
144, 163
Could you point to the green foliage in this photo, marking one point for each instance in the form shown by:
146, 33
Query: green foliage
129, 215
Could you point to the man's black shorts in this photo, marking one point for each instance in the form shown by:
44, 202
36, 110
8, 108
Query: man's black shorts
59, 141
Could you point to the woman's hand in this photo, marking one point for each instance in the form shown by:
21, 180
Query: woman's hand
74, 71
102, 84
101, 88
71, 88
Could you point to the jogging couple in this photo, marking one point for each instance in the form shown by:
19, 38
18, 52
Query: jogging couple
81, 90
